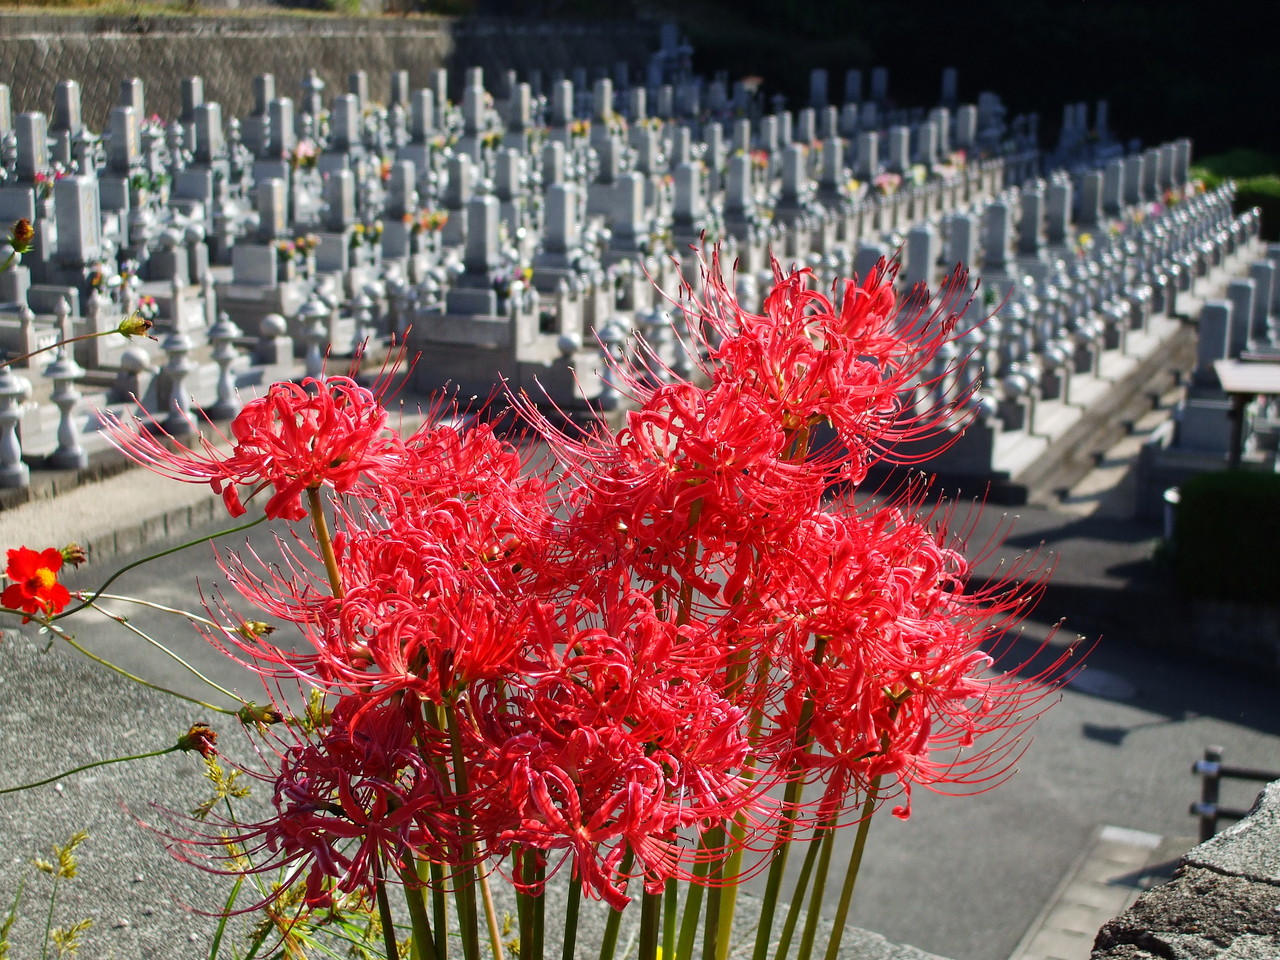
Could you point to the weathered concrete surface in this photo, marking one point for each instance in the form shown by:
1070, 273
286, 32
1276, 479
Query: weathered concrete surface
1222, 904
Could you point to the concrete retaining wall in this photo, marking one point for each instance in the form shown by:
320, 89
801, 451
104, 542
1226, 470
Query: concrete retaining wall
36, 52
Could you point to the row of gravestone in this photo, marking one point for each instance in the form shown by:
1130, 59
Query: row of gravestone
566, 209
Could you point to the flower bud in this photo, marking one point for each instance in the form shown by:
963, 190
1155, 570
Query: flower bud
21, 235
201, 739
254, 629
253, 713
74, 554
134, 325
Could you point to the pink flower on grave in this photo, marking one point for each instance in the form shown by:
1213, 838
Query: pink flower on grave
299, 437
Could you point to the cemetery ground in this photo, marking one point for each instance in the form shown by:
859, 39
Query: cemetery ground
964, 878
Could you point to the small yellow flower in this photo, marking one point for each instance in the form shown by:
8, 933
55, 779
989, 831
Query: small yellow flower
134, 325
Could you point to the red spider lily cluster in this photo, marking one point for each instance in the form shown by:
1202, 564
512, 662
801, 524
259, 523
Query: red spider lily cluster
608, 660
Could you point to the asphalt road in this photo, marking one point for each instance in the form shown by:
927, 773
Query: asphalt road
963, 878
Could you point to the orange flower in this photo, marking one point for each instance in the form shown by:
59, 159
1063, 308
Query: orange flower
35, 588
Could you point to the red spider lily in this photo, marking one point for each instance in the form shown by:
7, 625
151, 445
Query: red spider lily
366, 789
299, 436
35, 588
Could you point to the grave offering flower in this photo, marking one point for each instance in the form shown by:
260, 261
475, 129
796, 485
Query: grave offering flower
34, 587
655, 663
887, 183
147, 308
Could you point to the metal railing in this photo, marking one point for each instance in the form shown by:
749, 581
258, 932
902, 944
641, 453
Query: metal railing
1211, 771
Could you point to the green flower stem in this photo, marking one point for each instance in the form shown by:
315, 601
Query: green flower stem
424, 944
465, 892
155, 556
827, 844
670, 909
90, 766
797, 901
384, 909
323, 541
524, 907
48, 920
440, 911
225, 915
571, 919
124, 622
692, 905
136, 679
53, 346
491, 917
650, 925
715, 895
609, 940
851, 873
790, 803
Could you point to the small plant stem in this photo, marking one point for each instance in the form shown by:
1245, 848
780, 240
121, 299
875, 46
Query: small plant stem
851, 873
54, 346
323, 541
609, 939
216, 945
790, 803
650, 925
571, 919
524, 906
827, 843
155, 556
465, 893
384, 909
146, 683
48, 920
715, 896
440, 911
124, 622
90, 766
491, 917
692, 906
797, 901
424, 944
670, 907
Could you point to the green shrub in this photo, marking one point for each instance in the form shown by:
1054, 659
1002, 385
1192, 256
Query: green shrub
1225, 537
1240, 164
1263, 193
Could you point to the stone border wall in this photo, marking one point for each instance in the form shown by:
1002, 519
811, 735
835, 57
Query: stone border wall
1224, 901
36, 52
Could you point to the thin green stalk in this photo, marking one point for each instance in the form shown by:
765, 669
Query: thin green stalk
155, 556
53, 346
715, 895
571, 919
491, 917
797, 902
609, 941
524, 907
324, 541
124, 622
48, 920
819, 890
693, 905
851, 873
650, 925
440, 911
226, 915
384, 910
424, 944
90, 766
465, 893
136, 679
790, 803
670, 907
